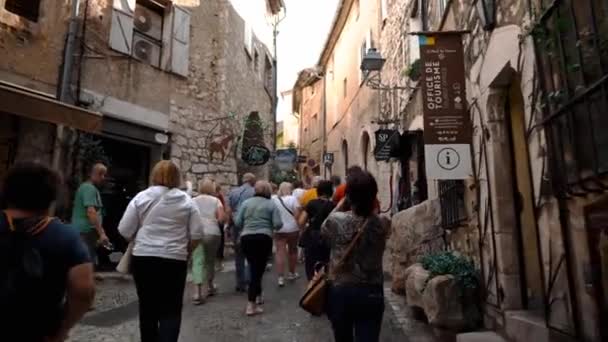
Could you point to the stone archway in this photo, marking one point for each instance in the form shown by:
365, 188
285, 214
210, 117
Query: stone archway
345, 155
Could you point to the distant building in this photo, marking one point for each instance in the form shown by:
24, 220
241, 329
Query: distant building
288, 127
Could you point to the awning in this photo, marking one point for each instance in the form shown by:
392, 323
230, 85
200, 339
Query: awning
19, 101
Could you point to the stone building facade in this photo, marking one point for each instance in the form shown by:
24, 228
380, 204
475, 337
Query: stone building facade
528, 218
183, 80
532, 214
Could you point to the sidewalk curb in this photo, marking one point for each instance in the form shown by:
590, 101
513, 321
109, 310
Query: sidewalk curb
101, 276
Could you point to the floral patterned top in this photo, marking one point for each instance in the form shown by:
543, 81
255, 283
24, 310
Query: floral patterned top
364, 266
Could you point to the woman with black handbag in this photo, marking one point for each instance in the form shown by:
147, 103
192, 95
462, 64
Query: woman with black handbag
357, 239
316, 211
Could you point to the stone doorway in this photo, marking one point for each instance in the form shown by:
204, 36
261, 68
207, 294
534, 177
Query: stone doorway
523, 203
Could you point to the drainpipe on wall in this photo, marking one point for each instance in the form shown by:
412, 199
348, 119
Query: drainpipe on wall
63, 89
324, 125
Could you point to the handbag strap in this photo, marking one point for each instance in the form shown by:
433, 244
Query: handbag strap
353, 243
151, 207
284, 206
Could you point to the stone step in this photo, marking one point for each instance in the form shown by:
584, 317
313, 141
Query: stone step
526, 326
481, 336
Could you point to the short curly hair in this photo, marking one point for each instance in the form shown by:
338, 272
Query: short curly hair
30, 186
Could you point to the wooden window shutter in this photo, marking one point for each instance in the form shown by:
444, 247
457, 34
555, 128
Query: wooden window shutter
29, 9
180, 45
165, 59
121, 33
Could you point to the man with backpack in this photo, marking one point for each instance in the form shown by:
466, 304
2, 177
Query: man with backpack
46, 274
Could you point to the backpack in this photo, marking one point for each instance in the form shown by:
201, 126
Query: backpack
21, 267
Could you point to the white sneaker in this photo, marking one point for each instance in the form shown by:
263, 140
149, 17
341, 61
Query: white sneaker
281, 281
293, 276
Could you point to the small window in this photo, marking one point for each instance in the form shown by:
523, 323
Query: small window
29, 9
344, 88
451, 198
268, 74
256, 61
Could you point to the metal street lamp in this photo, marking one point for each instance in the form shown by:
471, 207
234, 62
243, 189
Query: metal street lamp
372, 61
486, 9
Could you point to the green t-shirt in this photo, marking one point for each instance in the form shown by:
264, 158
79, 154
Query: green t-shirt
86, 196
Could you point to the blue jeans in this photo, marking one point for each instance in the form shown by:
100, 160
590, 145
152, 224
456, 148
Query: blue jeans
356, 312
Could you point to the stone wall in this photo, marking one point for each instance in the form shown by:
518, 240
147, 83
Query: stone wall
32, 51
209, 109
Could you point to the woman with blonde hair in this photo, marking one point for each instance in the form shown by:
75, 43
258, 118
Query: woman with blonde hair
203, 257
286, 239
257, 219
165, 223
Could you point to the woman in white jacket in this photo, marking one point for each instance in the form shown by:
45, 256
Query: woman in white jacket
165, 224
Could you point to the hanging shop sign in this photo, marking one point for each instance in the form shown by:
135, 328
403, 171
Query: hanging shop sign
385, 139
286, 159
447, 126
328, 159
256, 155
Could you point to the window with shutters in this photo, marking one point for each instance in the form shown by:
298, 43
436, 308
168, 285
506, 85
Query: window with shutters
28, 9
152, 31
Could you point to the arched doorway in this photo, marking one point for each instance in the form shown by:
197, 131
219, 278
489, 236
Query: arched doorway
345, 155
365, 150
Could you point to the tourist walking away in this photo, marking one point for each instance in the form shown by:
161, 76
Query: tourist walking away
298, 190
165, 224
258, 218
222, 224
311, 193
336, 181
286, 239
340, 193
355, 300
315, 249
236, 197
46, 274
204, 255
87, 212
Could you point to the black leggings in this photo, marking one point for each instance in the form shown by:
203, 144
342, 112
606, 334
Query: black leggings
160, 286
257, 249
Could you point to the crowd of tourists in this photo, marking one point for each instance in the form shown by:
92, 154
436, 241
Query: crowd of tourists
50, 264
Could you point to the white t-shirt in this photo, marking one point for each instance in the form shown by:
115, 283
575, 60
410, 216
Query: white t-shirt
289, 222
208, 205
298, 193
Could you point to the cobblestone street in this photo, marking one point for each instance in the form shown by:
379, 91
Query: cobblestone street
222, 317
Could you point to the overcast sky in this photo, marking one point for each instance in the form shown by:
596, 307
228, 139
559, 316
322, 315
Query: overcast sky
302, 34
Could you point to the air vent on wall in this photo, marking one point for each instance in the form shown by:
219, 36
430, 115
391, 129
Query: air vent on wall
148, 22
146, 50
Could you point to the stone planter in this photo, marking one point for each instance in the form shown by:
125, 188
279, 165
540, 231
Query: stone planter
441, 298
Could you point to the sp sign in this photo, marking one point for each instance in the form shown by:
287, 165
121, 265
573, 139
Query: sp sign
384, 141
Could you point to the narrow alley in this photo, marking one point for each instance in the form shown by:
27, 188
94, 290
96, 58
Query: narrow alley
221, 318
